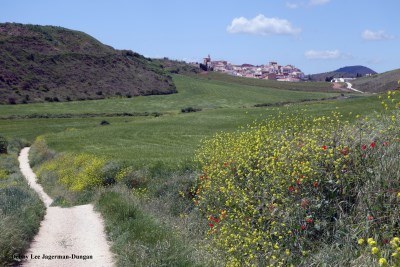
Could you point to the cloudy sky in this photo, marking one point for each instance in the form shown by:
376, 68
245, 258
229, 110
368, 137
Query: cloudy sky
314, 35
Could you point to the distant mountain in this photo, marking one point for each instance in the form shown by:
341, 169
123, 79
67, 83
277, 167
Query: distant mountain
345, 72
379, 82
47, 63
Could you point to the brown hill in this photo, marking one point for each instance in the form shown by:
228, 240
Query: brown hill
378, 82
47, 63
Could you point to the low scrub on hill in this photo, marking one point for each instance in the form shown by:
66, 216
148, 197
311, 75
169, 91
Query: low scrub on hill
54, 64
21, 210
305, 191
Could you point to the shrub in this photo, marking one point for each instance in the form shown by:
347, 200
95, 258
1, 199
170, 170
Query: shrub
16, 144
3, 145
109, 173
132, 178
12, 101
76, 171
190, 109
39, 152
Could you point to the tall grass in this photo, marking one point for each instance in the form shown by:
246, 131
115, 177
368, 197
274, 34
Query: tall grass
141, 238
21, 210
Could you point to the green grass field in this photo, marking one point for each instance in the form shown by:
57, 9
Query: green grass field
173, 137
192, 91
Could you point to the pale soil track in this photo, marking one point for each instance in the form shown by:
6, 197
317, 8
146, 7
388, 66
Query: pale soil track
77, 230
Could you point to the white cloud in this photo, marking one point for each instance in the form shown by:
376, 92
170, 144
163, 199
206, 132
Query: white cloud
318, 2
308, 3
375, 36
292, 5
261, 25
325, 54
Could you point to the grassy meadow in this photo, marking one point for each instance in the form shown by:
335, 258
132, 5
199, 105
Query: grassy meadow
172, 137
141, 173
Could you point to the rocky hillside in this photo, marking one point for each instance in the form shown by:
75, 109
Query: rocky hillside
47, 63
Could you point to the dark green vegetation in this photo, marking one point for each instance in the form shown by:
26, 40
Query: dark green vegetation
20, 208
345, 72
378, 82
54, 64
176, 66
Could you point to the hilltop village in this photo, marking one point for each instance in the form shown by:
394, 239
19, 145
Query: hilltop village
272, 71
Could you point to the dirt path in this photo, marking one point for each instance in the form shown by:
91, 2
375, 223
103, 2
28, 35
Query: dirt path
350, 87
77, 232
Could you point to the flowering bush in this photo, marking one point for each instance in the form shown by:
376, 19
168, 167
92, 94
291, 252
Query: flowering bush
275, 190
386, 253
76, 171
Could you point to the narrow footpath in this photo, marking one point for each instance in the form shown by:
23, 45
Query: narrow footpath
67, 236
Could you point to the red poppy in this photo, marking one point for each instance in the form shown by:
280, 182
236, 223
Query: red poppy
303, 227
324, 147
345, 151
211, 225
372, 145
309, 220
363, 147
315, 184
271, 207
291, 188
304, 203
370, 218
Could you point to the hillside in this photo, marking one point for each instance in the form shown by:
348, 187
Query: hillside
345, 72
378, 82
47, 63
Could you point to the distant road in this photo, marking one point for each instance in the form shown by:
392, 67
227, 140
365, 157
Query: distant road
350, 87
